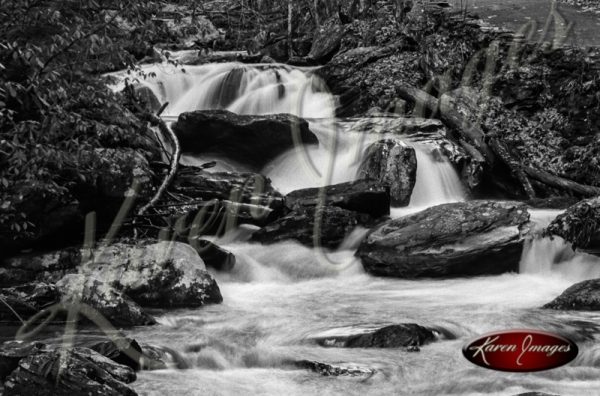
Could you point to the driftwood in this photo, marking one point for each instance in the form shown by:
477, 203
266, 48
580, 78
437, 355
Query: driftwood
164, 128
561, 183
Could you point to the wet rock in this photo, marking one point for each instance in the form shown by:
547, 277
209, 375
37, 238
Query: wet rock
162, 274
394, 336
250, 139
394, 164
76, 371
11, 352
326, 226
26, 300
580, 224
335, 370
214, 256
248, 188
387, 123
128, 352
582, 296
105, 301
536, 394
363, 196
160, 357
458, 239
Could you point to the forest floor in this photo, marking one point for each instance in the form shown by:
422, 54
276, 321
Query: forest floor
514, 14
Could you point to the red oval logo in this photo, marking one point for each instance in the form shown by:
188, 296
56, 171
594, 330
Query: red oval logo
520, 350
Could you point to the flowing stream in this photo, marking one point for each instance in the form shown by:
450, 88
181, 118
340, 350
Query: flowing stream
279, 296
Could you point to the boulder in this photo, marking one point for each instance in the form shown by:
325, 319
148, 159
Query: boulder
458, 239
26, 300
109, 303
254, 140
325, 226
363, 196
582, 296
11, 352
326, 41
164, 274
394, 336
579, 224
76, 371
220, 201
394, 164
248, 188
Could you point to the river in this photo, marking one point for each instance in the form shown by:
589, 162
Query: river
279, 297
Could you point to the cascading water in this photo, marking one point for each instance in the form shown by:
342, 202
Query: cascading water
278, 296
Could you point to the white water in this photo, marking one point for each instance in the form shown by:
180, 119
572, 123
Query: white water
280, 295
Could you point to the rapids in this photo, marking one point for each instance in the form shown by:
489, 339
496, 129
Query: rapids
277, 297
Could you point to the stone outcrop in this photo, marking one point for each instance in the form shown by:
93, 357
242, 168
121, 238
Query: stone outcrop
458, 239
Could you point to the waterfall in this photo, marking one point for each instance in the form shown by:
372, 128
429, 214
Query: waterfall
273, 88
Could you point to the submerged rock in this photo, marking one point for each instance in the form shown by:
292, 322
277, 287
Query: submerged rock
165, 274
582, 296
325, 226
364, 196
394, 164
250, 139
104, 300
457, 239
394, 336
76, 371
335, 370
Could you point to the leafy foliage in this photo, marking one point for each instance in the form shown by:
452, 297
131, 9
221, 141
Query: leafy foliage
54, 104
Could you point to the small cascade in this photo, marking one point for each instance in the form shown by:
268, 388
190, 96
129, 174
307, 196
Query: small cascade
437, 181
242, 89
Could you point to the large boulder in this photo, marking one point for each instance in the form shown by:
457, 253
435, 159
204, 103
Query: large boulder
394, 164
325, 226
76, 371
457, 239
582, 296
579, 224
164, 274
105, 301
363, 196
250, 139
26, 300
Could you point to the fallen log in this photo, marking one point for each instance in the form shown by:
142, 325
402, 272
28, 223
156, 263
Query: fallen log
562, 183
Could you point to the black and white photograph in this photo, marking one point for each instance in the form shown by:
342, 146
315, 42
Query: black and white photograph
299, 197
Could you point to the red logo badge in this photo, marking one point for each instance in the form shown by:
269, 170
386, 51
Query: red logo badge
520, 350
